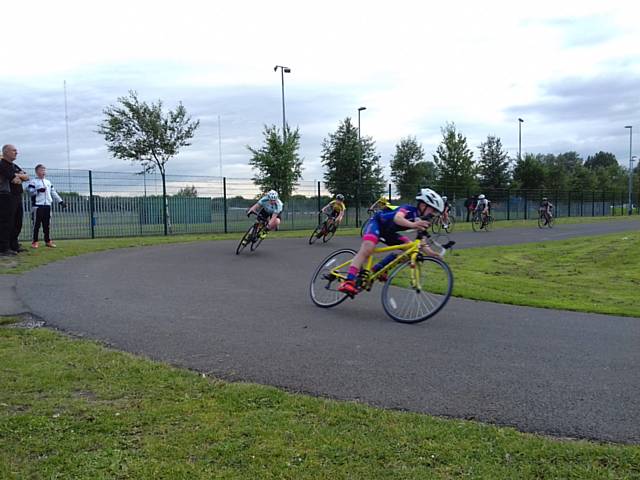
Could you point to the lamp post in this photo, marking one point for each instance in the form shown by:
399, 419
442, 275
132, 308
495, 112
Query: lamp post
630, 127
520, 122
360, 109
283, 70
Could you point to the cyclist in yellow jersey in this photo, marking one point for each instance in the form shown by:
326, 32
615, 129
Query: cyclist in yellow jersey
335, 209
381, 204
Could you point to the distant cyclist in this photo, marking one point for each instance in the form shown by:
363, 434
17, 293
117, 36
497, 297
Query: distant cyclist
268, 210
381, 204
546, 208
335, 209
445, 212
387, 225
483, 207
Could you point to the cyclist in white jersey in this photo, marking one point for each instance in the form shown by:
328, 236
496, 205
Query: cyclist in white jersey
268, 208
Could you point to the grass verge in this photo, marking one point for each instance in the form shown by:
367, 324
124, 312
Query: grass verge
74, 409
589, 274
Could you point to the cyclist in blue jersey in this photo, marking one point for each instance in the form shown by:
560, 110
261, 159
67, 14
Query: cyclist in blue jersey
268, 209
387, 225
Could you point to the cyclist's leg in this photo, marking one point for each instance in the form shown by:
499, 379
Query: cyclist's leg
369, 242
391, 238
273, 221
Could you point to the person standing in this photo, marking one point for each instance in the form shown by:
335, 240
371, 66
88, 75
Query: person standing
6, 213
11, 171
42, 196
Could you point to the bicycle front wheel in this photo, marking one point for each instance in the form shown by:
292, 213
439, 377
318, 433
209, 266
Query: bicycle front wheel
452, 222
413, 295
246, 240
436, 225
327, 277
488, 223
316, 234
476, 223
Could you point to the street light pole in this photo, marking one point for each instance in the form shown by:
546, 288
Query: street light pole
360, 109
630, 127
520, 121
283, 70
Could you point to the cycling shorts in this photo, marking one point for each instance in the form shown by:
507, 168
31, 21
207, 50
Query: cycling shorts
373, 232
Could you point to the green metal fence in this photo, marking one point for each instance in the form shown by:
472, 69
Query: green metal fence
107, 204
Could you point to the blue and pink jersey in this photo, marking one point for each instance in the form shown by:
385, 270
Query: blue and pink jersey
383, 225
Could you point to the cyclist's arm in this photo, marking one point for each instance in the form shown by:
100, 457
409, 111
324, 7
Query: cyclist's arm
400, 219
254, 208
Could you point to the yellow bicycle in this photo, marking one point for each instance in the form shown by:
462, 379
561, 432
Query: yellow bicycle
417, 283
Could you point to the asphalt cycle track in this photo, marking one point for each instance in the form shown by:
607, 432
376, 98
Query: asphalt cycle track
249, 317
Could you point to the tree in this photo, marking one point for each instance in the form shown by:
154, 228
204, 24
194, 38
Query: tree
529, 173
494, 164
345, 165
188, 191
454, 160
409, 171
278, 165
143, 133
600, 160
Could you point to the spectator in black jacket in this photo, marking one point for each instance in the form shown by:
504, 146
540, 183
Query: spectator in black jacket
12, 173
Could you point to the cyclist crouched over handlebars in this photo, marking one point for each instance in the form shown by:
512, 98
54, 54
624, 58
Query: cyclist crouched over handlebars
387, 225
268, 210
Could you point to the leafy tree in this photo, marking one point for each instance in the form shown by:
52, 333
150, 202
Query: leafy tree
454, 160
408, 169
345, 165
188, 191
529, 172
143, 133
278, 165
561, 169
600, 160
583, 179
493, 166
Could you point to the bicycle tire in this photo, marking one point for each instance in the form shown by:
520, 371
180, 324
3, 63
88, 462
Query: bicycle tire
257, 239
452, 222
436, 225
399, 298
488, 225
329, 233
541, 221
551, 222
476, 223
245, 240
324, 291
314, 234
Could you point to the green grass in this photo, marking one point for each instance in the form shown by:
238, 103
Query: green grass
74, 409
590, 274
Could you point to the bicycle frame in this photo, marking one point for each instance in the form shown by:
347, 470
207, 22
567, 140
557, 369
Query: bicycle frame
410, 253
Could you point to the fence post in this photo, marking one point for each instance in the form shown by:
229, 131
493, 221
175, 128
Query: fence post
508, 204
593, 203
92, 207
569, 204
526, 206
389, 193
319, 206
224, 203
582, 203
603, 203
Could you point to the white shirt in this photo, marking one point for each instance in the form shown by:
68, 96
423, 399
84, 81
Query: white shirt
42, 198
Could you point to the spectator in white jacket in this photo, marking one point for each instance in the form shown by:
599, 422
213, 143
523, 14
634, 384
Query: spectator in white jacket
42, 196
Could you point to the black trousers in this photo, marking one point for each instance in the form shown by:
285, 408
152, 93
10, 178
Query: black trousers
41, 217
18, 212
6, 221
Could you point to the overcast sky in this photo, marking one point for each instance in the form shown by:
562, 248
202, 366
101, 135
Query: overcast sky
571, 70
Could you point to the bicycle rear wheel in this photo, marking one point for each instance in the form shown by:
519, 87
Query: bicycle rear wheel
541, 221
436, 225
246, 240
324, 283
452, 222
413, 295
315, 234
329, 232
551, 221
488, 223
257, 238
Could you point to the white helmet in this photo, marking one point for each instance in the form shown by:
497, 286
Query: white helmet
481, 196
431, 198
272, 195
